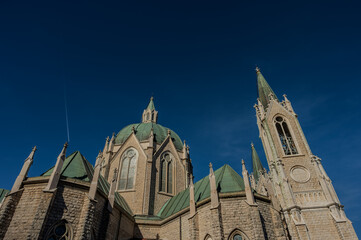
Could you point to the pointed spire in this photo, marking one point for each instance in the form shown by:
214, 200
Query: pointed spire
24, 171
111, 195
258, 169
247, 185
185, 151
151, 104
106, 146
150, 114
94, 184
192, 203
55, 175
288, 104
264, 90
111, 142
213, 186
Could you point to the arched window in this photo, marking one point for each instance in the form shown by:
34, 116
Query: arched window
127, 169
60, 230
237, 235
208, 237
166, 173
288, 145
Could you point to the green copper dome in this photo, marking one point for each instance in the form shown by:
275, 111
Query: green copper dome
142, 132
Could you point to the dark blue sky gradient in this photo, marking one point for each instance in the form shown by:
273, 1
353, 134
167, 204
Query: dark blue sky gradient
197, 58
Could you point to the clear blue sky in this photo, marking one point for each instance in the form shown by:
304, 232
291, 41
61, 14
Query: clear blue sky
197, 58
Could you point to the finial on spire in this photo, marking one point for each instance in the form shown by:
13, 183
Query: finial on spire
257, 69
213, 188
133, 129
247, 185
169, 132
24, 171
55, 175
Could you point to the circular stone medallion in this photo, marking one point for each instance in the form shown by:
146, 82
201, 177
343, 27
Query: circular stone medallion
300, 174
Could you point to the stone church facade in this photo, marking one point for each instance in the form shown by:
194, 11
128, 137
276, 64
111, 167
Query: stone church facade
141, 187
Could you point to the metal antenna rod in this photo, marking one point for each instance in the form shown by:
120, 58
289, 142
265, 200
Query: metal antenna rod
66, 114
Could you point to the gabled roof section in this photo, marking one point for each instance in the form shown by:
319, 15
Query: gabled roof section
264, 89
227, 181
3, 193
256, 164
77, 167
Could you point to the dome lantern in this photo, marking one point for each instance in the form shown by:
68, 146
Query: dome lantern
150, 114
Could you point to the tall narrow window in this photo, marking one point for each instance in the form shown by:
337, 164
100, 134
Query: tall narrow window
288, 145
127, 170
166, 173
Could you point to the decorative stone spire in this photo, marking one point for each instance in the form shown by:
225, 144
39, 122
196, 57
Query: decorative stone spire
185, 150
111, 195
192, 203
213, 186
264, 90
247, 186
55, 175
151, 138
106, 146
111, 143
24, 171
288, 104
150, 114
257, 167
94, 184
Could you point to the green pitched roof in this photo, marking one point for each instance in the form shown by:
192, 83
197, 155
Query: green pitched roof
151, 104
142, 132
264, 89
256, 164
77, 167
3, 193
227, 181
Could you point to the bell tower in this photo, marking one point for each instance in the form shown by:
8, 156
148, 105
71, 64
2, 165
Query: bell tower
308, 200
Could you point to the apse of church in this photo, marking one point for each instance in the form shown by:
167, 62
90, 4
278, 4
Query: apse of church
142, 187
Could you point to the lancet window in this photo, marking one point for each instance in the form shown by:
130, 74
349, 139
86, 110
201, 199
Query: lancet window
237, 235
166, 172
127, 169
288, 145
60, 230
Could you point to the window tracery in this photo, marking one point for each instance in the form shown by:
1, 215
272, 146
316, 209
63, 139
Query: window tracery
288, 145
127, 170
60, 231
166, 173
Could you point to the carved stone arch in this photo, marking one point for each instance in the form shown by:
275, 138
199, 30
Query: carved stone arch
60, 230
128, 164
208, 237
237, 234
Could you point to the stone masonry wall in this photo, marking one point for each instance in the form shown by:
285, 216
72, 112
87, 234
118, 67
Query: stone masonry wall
68, 205
30, 213
7, 211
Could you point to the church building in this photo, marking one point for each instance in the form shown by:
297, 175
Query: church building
141, 187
